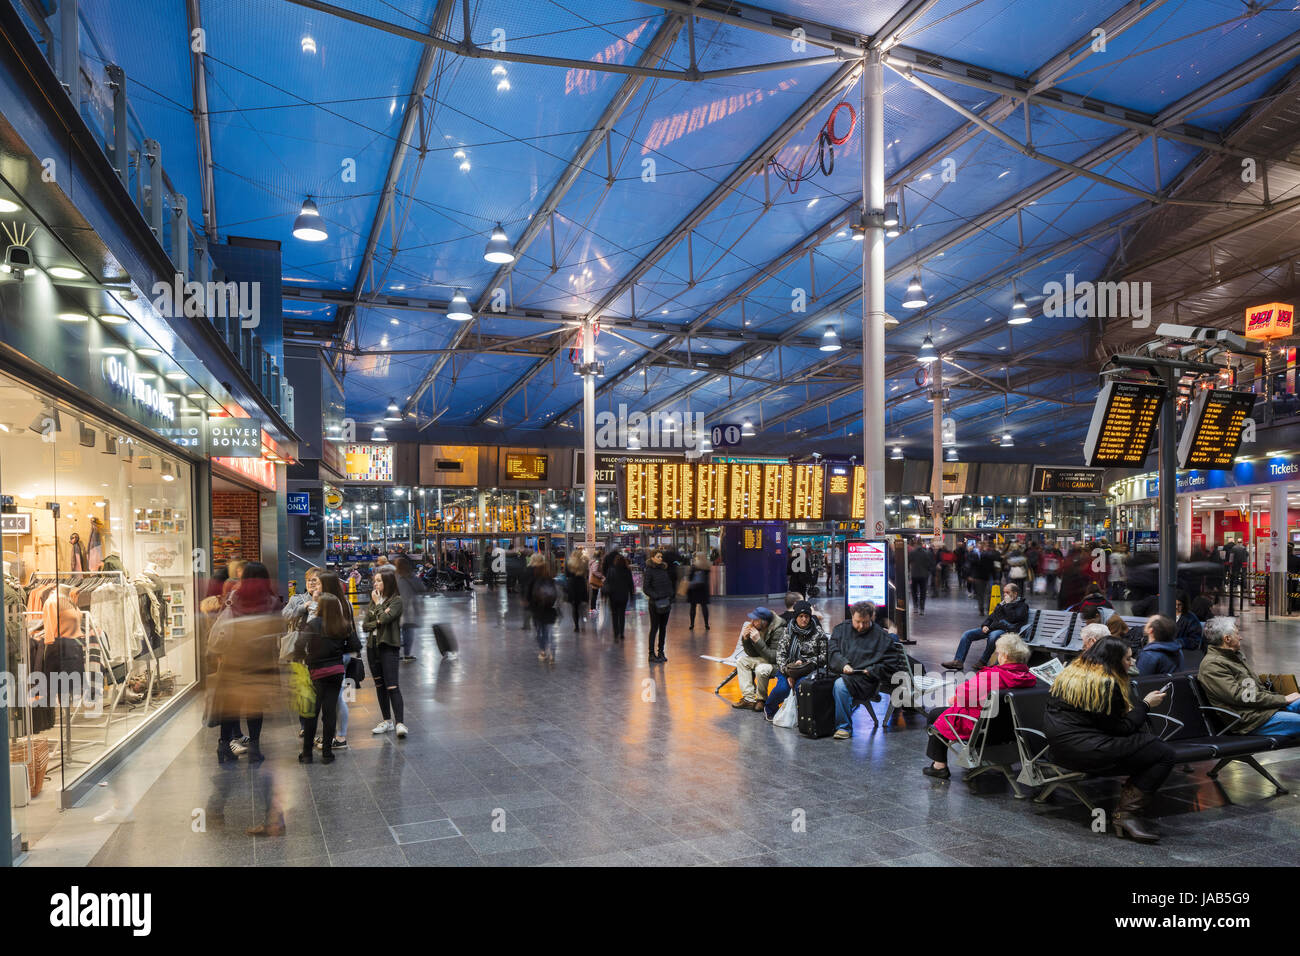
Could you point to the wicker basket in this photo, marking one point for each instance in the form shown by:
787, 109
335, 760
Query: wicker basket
39, 764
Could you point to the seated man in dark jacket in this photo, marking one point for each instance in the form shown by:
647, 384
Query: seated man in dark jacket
865, 657
1011, 615
1161, 654
1187, 630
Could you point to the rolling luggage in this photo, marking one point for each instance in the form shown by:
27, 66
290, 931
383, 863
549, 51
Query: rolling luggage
446, 640
816, 704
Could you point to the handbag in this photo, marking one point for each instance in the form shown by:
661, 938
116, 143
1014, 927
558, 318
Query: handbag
287, 643
663, 605
302, 694
787, 715
356, 671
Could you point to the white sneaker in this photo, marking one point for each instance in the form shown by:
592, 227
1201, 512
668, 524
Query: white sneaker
383, 727
237, 748
401, 730
451, 655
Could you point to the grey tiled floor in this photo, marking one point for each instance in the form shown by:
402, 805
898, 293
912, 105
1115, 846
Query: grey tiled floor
603, 759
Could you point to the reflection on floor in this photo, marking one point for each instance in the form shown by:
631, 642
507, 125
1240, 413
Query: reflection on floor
605, 759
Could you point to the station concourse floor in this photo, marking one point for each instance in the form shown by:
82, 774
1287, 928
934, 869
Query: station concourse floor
585, 762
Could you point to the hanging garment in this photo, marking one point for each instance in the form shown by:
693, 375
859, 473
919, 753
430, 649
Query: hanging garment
95, 547
78, 562
115, 610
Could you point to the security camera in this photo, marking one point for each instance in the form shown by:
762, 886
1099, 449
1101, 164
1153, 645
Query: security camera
18, 259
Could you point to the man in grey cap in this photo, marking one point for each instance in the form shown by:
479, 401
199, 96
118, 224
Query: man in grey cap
756, 656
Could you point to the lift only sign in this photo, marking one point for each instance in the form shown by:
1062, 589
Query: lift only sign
1212, 435
1123, 424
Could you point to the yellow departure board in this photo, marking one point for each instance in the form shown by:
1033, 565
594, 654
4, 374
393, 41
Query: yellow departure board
524, 467
808, 496
1212, 435
1123, 424
711, 498
753, 539
859, 510
680, 491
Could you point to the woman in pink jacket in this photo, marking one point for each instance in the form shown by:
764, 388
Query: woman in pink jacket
1010, 673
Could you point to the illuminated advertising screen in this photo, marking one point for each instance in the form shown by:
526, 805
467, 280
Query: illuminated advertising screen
865, 572
1067, 481
525, 467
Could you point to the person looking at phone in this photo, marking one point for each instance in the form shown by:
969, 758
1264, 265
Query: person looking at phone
756, 656
803, 650
1231, 684
1161, 654
864, 657
1094, 725
382, 625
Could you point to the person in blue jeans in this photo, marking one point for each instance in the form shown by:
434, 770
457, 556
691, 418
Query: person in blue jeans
1231, 684
802, 652
1011, 615
865, 657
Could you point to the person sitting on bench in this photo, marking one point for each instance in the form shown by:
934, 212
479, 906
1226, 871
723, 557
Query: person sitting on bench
1009, 673
865, 657
1161, 653
756, 656
1188, 631
1094, 725
1134, 637
1091, 634
1094, 597
802, 651
1231, 684
1011, 615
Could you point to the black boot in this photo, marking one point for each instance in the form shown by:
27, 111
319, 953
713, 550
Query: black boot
1128, 818
306, 755
255, 754
224, 753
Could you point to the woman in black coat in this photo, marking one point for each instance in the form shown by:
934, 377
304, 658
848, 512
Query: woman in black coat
1094, 725
657, 586
619, 590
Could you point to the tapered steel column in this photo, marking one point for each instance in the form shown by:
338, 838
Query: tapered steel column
873, 296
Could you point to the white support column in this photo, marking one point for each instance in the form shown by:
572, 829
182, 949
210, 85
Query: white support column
1277, 547
936, 469
589, 429
873, 297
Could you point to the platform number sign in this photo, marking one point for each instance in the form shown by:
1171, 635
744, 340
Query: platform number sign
726, 434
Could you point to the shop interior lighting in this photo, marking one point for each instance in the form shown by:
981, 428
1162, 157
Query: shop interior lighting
498, 248
915, 298
951, 455
1006, 440
830, 341
148, 351
112, 318
308, 44
113, 350
7, 205
309, 226
896, 454
73, 317
459, 311
176, 376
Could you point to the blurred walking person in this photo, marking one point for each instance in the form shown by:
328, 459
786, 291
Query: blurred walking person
697, 588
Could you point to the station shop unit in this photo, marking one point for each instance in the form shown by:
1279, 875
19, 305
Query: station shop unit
98, 533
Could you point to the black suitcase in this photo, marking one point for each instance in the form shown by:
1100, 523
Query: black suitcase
815, 701
446, 640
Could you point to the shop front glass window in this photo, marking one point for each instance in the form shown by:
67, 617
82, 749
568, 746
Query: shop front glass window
98, 539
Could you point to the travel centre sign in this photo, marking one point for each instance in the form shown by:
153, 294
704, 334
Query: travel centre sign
1259, 472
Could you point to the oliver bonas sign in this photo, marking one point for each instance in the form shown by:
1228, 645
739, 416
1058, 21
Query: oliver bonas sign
235, 438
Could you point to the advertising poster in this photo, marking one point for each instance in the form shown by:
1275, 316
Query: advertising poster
865, 575
227, 541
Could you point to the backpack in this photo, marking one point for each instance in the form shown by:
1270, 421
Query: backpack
545, 593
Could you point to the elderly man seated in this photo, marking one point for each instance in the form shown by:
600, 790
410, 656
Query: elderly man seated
1231, 684
865, 657
756, 656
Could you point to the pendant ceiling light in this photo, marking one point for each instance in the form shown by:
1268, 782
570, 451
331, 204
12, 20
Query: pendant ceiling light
309, 226
1019, 312
633, 442
458, 310
379, 434
498, 248
1006, 440
747, 429
951, 456
896, 454
393, 414
915, 298
927, 352
830, 341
